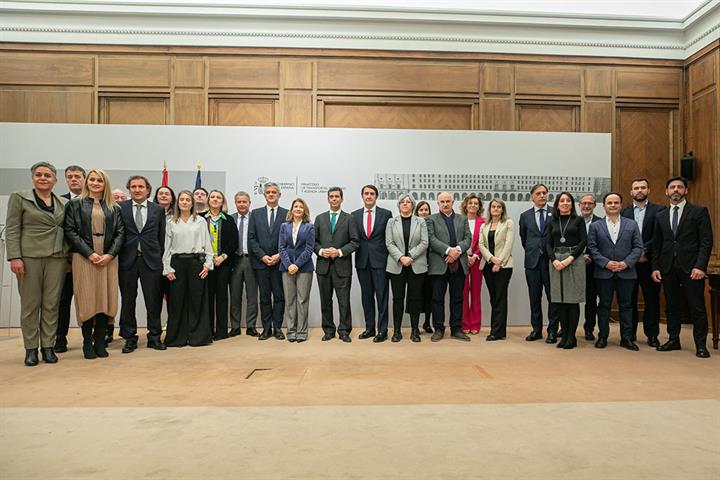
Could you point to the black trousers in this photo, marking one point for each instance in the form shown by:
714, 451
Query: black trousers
591, 299
218, 282
412, 282
64, 310
329, 283
651, 299
427, 303
188, 312
538, 278
623, 289
456, 282
152, 288
374, 287
497, 284
272, 298
680, 290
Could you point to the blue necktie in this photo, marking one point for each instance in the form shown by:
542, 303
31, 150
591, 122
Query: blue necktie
542, 220
272, 218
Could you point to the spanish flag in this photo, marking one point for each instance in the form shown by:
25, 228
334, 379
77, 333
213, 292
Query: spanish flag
164, 182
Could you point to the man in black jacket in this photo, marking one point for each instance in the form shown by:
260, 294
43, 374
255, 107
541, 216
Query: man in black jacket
141, 257
683, 241
644, 213
587, 209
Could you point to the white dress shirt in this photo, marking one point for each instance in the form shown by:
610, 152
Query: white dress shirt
537, 215
337, 218
681, 206
187, 237
613, 228
244, 219
143, 211
365, 217
268, 209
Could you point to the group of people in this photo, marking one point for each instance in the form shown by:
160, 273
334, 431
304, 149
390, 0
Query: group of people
188, 250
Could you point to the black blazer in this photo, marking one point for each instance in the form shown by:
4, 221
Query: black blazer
263, 240
648, 226
372, 251
345, 238
228, 238
78, 227
533, 240
151, 239
691, 246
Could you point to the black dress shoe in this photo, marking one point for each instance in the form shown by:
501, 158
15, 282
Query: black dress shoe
48, 355
328, 336
533, 336
366, 334
265, 334
492, 338
629, 344
415, 335
427, 328
601, 342
345, 338
561, 344
589, 336
252, 332
380, 337
702, 352
397, 336
460, 335
437, 336
89, 350
570, 344
292, 340
234, 332
279, 334
669, 346
60, 345
130, 345
653, 342
31, 358
552, 338
155, 345
300, 340
559, 334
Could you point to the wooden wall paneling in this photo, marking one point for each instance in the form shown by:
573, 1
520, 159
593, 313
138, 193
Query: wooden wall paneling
46, 69
243, 73
547, 118
46, 104
598, 81
645, 147
651, 83
189, 72
397, 76
497, 78
547, 80
190, 107
597, 116
703, 73
243, 111
497, 114
133, 71
296, 109
439, 116
297, 75
141, 110
296, 93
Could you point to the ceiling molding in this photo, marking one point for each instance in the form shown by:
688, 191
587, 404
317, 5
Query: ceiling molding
218, 24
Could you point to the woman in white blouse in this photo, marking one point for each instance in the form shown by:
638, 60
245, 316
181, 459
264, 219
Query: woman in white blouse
496, 242
187, 260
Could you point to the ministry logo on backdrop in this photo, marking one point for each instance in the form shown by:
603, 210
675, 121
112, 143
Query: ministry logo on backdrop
259, 185
285, 185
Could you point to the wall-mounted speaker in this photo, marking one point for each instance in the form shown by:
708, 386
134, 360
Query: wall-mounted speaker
687, 166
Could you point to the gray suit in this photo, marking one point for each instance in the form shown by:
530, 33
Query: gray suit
417, 249
243, 274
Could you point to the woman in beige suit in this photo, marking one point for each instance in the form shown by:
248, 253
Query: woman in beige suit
496, 242
38, 257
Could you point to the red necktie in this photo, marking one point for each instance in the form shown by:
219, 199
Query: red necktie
368, 228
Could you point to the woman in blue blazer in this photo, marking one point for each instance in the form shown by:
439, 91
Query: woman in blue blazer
296, 245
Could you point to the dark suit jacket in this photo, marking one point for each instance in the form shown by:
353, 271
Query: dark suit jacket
263, 240
439, 236
227, 237
595, 218
372, 251
691, 246
300, 252
151, 239
627, 248
648, 226
345, 238
533, 240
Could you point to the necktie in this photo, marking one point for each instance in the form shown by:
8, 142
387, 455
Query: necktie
333, 221
542, 220
241, 233
272, 218
139, 221
675, 220
368, 227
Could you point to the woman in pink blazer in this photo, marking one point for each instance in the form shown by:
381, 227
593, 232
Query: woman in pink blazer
472, 208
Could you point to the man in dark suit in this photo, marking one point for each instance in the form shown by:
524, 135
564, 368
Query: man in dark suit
587, 207
336, 238
615, 246
75, 178
533, 235
141, 257
644, 213
450, 238
682, 243
370, 263
243, 274
263, 235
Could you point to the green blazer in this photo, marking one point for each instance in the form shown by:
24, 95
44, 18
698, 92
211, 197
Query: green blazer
32, 232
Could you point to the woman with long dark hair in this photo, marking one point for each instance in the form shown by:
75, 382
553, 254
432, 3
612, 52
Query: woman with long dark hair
165, 197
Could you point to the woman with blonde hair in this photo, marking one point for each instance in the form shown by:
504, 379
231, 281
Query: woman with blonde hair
95, 233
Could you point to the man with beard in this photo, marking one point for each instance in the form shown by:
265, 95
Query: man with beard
644, 213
